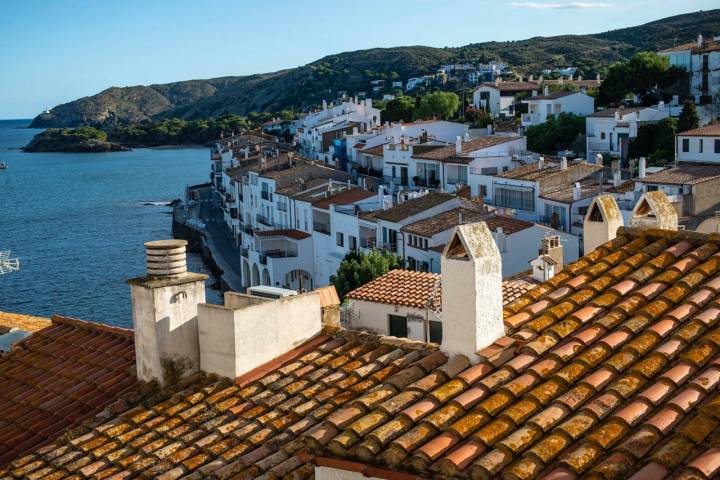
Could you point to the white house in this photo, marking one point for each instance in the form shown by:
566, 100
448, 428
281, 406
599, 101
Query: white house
701, 145
542, 106
608, 132
500, 97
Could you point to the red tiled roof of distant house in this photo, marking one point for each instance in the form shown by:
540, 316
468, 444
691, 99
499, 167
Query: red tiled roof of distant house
472, 145
446, 220
712, 130
376, 150
345, 197
402, 287
609, 369
59, 376
287, 232
684, 174
513, 86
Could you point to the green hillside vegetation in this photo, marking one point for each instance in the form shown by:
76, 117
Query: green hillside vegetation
304, 87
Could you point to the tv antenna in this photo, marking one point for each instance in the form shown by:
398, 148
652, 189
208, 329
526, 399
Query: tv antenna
7, 264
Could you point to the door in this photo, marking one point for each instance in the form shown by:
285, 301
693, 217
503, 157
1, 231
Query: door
435, 331
403, 176
397, 326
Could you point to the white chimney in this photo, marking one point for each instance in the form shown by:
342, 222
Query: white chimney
324, 104
164, 310
563, 163
577, 191
471, 291
641, 168
546, 90
601, 222
541, 163
250, 331
368, 103
490, 129
654, 210
599, 159
617, 178
381, 196
458, 145
467, 136
700, 41
531, 78
597, 77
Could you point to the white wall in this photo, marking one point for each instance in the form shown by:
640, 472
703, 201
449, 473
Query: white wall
373, 317
708, 155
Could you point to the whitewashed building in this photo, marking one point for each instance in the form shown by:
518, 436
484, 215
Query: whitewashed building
540, 107
500, 97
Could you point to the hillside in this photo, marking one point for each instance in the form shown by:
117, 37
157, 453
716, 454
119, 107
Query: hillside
305, 86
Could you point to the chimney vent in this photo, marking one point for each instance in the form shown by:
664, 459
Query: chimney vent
458, 145
541, 163
641, 168
601, 222
563, 163
577, 191
166, 258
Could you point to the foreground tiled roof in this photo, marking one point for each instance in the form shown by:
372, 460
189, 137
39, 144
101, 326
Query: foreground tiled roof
610, 368
59, 376
27, 323
210, 428
684, 175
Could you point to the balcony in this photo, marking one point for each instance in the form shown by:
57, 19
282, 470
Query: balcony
280, 253
321, 227
263, 220
244, 252
367, 243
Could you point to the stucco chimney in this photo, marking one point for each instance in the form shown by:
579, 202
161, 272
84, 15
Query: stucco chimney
563, 163
577, 191
164, 310
546, 90
599, 159
700, 41
617, 178
324, 105
248, 331
471, 291
458, 145
654, 210
641, 168
552, 247
601, 222
381, 196
541, 163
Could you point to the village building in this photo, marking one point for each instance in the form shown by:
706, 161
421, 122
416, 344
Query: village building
540, 107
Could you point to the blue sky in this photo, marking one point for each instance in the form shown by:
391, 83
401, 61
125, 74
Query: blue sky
54, 51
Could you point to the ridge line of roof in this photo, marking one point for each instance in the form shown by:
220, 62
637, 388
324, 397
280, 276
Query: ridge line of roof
656, 233
84, 324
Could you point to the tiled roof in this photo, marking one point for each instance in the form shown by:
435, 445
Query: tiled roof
59, 376
610, 112
210, 428
402, 287
684, 175
532, 171
554, 95
418, 289
565, 194
712, 130
26, 323
345, 197
286, 232
609, 369
441, 222
680, 48
513, 86
376, 150
472, 145
410, 207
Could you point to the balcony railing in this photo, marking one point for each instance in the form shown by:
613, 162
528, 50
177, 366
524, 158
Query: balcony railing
244, 252
280, 253
367, 242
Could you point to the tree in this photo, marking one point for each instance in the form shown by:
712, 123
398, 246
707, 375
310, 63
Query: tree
688, 119
645, 74
656, 142
402, 108
357, 269
441, 105
556, 133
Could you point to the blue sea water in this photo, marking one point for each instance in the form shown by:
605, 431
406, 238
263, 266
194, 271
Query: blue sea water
78, 222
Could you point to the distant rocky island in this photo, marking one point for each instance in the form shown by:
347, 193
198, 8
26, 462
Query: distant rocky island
76, 140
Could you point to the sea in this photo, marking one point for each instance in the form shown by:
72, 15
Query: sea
77, 223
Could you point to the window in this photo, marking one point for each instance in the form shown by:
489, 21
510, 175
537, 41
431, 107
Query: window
393, 171
717, 145
700, 150
353, 242
483, 191
685, 145
602, 135
489, 171
556, 213
339, 237
521, 198
435, 331
397, 326
425, 243
456, 174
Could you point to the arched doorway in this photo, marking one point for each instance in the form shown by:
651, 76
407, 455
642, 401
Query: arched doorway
246, 274
255, 276
298, 279
266, 278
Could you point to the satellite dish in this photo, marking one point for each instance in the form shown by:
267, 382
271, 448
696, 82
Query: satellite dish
8, 264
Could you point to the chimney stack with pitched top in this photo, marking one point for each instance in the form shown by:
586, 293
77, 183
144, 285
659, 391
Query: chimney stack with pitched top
471, 291
164, 310
601, 222
654, 210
